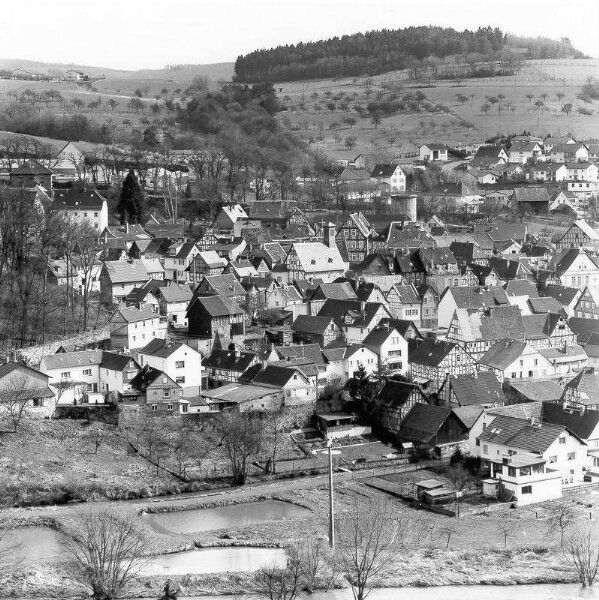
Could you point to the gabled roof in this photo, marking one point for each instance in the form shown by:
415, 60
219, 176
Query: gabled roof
361, 223
408, 294
560, 263
494, 323
31, 167
116, 362
72, 359
536, 391
503, 353
545, 305
482, 388
273, 375
378, 336
583, 328
149, 375
429, 352
520, 287
476, 297
531, 194
564, 295
126, 271
581, 423
131, 314
211, 259
311, 352
395, 394
224, 285
315, 257
316, 325
335, 291
507, 269
402, 326
423, 422
215, 306
468, 414
229, 360
161, 348
384, 171
75, 198
435, 146
362, 316
175, 292
521, 434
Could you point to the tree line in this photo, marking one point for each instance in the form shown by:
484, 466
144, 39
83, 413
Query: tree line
378, 52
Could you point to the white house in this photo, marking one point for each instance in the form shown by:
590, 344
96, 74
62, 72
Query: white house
433, 152
356, 356
390, 175
132, 327
390, 347
309, 260
82, 206
180, 362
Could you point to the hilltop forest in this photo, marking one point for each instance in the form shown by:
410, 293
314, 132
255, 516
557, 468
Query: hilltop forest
377, 52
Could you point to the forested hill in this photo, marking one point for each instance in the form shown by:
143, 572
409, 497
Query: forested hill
377, 52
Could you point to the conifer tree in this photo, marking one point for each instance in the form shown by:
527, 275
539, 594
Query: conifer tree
131, 202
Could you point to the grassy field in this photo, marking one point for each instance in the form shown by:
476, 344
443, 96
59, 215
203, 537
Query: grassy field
403, 133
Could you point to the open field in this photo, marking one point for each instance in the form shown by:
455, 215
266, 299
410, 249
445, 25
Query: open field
401, 133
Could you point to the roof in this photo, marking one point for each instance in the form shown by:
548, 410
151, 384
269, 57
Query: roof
31, 167
521, 434
536, 391
560, 263
525, 410
408, 294
361, 313
336, 291
477, 297
9, 367
161, 348
175, 292
229, 360
379, 335
395, 394
75, 198
583, 328
116, 362
273, 375
429, 351
482, 388
315, 257
72, 359
580, 422
586, 383
503, 353
236, 393
564, 295
520, 287
147, 376
131, 314
215, 306
531, 194
224, 285
310, 352
316, 325
545, 305
422, 422
494, 323
434, 146
126, 271
361, 223
211, 259
384, 171
468, 414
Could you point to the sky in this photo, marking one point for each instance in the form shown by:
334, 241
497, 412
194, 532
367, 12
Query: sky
135, 34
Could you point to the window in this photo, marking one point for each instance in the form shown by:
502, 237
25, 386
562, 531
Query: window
571, 455
65, 375
180, 380
169, 407
511, 472
154, 406
180, 364
562, 440
527, 489
87, 372
166, 393
553, 459
184, 408
485, 449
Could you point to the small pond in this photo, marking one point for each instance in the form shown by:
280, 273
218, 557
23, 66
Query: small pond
214, 560
225, 517
37, 545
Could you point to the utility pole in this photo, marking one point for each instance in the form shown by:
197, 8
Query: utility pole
331, 508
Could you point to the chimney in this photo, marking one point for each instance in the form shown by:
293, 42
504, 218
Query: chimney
447, 390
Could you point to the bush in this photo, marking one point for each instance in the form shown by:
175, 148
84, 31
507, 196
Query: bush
456, 457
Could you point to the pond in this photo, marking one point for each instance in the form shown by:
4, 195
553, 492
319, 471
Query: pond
35, 544
225, 517
215, 560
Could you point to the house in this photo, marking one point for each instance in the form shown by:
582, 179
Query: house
132, 327
573, 267
315, 260
355, 319
429, 296
569, 152
389, 175
178, 258
513, 359
356, 236
82, 206
567, 296
583, 390
216, 317
525, 452
468, 298
581, 171
405, 302
579, 235
243, 397
74, 75
531, 199
25, 388
226, 285
479, 389
433, 152
356, 356
434, 428
119, 277
394, 402
315, 329
523, 151
587, 306
507, 269
230, 219
489, 157
333, 291
227, 366
173, 300
116, 371
390, 347
180, 362
296, 387
206, 262
31, 173
431, 359
159, 392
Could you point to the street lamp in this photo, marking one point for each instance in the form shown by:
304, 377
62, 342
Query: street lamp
331, 508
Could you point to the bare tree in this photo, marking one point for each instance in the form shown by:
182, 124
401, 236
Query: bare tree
561, 518
370, 535
281, 584
448, 531
16, 395
582, 549
506, 527
106, 552
8, 548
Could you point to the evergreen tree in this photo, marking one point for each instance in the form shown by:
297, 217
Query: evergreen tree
130, 206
